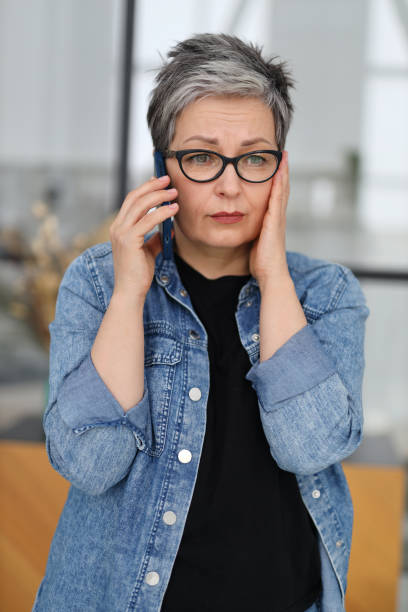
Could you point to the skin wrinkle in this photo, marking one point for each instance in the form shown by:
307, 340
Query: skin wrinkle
244, 143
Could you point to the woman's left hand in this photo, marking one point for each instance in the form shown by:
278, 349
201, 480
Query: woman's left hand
267, 258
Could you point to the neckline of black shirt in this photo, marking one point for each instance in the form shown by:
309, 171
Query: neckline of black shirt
219, 289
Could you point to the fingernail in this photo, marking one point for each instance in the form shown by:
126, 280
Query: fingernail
163, 178
173, 205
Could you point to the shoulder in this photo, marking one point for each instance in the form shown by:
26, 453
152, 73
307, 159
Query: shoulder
99, 251
91, 273
323, 285
90, 263
94, 253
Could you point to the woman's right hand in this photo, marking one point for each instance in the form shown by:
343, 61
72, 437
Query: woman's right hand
133, 258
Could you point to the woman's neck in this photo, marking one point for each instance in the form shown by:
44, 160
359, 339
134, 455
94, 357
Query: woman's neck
214, 262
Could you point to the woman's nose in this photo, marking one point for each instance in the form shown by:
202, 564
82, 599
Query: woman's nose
229, 183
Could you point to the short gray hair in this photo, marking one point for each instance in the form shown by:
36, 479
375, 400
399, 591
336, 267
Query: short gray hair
217, 64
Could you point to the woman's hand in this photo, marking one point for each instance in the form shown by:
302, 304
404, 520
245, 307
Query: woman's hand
133, 258
267, 258
281, 314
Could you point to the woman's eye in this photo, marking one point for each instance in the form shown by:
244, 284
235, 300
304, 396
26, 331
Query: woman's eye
199, 159
254, 160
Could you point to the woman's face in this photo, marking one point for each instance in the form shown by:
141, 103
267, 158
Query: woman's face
230, 126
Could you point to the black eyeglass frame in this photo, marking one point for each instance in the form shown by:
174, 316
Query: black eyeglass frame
225, 161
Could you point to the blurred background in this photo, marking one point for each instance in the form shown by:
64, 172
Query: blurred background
75, 79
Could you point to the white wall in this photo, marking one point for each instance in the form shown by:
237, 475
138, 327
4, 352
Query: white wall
328, 64
384, 128
58, 81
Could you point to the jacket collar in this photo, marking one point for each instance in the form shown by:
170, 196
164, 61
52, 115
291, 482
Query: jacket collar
166, 275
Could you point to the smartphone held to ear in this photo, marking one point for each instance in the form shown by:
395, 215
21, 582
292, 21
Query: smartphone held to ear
165, 227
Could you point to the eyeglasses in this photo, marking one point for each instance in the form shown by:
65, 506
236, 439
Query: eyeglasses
202, 166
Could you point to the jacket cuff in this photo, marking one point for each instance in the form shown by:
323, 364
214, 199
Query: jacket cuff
297, 366
84, 401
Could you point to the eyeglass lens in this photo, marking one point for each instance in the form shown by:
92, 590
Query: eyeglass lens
202, 166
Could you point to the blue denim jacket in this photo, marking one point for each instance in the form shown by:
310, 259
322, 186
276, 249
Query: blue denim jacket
115, 545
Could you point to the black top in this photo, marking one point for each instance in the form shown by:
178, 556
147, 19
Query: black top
249, 542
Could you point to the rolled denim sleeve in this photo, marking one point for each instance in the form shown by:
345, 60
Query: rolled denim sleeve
94, 403
90, 440
310, 390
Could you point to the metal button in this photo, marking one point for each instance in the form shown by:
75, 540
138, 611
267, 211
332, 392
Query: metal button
248, 303
169, 517
339, 543
193, 334
194, 394
185, 456
316, 493
164, 279
255, 337
139, 442
183, 293
152, 578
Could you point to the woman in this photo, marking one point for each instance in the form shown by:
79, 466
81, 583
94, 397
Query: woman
200, 403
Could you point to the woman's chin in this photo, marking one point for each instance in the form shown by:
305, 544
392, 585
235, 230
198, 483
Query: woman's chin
234, 238
214, 238
229, 242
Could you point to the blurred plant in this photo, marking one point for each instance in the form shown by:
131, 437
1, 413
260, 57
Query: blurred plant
45, 260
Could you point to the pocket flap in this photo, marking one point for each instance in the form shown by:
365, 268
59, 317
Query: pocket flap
161, 350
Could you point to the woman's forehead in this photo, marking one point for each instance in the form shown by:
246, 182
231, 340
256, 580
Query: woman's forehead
247, 118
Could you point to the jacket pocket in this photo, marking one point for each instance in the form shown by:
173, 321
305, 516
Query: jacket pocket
162, 354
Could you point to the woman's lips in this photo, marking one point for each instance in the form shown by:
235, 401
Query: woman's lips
224, 217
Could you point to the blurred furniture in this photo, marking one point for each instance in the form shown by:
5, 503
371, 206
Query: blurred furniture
376, 552
33, 495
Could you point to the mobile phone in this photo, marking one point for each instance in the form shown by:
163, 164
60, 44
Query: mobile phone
166, 226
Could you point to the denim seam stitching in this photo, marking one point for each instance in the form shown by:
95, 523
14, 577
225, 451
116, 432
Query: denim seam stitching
338, 290
93, 271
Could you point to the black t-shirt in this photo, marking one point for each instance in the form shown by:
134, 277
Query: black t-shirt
249, 542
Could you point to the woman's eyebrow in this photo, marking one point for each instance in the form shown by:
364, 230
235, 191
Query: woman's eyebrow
214, 141
203, 138
246, 143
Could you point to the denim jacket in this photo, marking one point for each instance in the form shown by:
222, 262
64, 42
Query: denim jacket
133, 473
